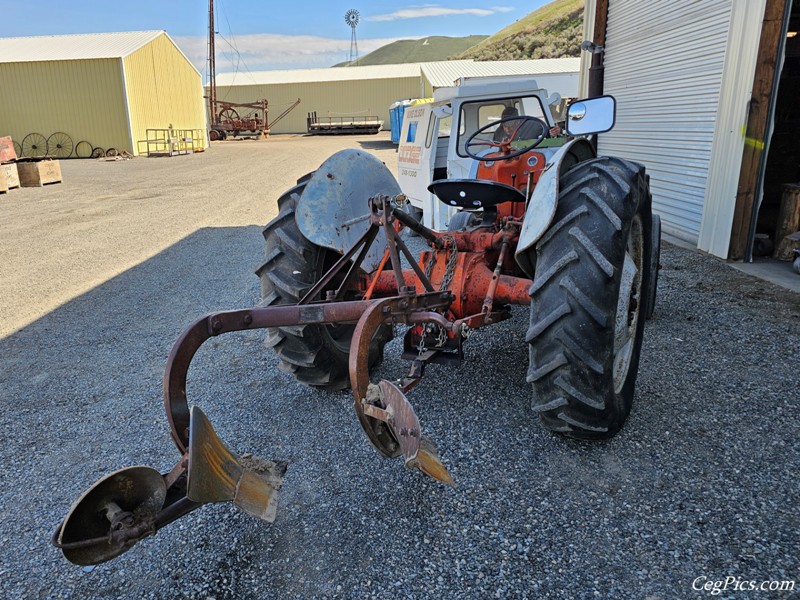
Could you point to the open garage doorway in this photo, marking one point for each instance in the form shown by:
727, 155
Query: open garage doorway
771, 161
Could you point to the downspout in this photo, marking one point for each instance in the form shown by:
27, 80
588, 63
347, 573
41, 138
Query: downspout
126, 101
597, 48
596, 75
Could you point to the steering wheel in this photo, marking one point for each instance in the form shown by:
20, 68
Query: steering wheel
530, 129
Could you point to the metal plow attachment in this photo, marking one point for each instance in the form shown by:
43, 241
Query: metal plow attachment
387, 404
218, 475
130, 504
384, 412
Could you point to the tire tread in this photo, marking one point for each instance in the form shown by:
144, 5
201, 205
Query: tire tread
574, 299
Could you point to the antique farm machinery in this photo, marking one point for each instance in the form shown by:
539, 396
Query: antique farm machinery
556, 228
253, 119
231, 117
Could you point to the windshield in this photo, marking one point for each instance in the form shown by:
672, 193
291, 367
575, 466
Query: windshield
474, 115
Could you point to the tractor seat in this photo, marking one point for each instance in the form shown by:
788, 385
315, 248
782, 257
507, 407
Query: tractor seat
474, 194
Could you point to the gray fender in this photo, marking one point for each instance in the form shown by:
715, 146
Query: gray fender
333, 211
544, 200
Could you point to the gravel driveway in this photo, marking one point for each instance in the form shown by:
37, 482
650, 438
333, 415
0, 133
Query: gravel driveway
100, 275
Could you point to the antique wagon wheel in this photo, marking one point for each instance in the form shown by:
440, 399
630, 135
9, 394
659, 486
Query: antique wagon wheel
17, 148
34, 145
228, 114
111, 152
83, 149
59, 145
98, 152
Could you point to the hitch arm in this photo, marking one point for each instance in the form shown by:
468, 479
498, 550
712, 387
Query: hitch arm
214, 324
418, 228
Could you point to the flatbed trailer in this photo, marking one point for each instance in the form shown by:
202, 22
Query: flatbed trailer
343, 125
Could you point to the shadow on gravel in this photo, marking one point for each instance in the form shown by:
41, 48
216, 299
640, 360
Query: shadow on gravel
80, 389
700, 483
378, 145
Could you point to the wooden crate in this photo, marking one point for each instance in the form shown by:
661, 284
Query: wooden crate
3, 184
39, 173
7, 151
9, 172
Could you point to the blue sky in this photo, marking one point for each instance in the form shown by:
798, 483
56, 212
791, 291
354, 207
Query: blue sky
267, 35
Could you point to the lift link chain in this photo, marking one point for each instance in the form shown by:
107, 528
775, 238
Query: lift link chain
451, 264
429, 329
452, 259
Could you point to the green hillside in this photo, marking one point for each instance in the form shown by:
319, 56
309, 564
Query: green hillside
423, 50
553, 31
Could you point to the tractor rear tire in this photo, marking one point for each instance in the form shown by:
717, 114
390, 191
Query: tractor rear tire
317, 355
588, 297
463, 220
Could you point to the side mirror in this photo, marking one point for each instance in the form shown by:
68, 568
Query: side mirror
442, 111
594, 115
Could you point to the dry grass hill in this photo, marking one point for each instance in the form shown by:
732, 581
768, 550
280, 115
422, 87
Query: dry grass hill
553, 31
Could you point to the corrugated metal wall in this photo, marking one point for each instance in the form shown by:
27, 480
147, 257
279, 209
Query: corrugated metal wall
664, 64
162, 88
82, 98
329, 98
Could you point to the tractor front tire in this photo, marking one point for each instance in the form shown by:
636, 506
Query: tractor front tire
317, 355
588, 299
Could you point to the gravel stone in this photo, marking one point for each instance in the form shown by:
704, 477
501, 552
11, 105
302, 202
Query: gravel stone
104, 271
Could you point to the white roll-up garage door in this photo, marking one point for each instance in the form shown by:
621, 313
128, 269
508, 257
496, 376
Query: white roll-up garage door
664, 64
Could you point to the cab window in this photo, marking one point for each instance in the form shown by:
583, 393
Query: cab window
475, 115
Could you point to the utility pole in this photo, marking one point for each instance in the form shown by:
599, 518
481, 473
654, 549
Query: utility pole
212, 67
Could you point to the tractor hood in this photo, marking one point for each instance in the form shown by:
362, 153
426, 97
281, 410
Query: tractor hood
333, 211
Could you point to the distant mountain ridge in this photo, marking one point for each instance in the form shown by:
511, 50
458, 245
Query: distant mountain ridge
428, 49
553, 31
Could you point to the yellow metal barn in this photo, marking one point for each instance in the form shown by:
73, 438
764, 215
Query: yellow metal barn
106, 89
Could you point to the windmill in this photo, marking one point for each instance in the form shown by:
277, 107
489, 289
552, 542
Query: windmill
351, 18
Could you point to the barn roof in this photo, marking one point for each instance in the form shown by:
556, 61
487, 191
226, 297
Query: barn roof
318, 75
84, 46
445, 73
439, 74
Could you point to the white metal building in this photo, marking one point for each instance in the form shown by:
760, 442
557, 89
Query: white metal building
696, 91
354, 91
554, 74
334, 92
